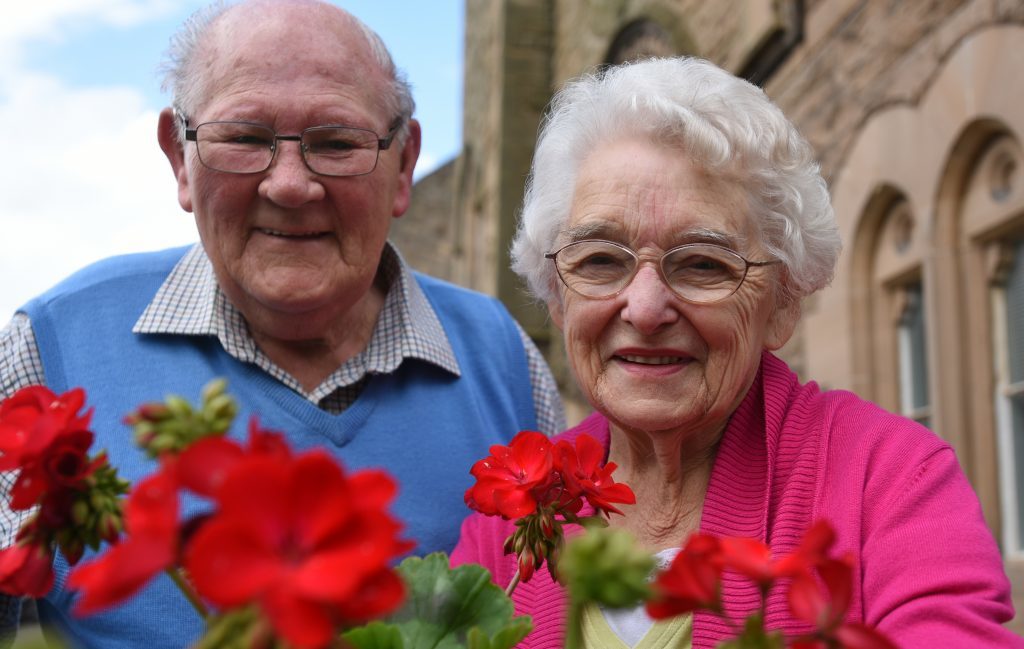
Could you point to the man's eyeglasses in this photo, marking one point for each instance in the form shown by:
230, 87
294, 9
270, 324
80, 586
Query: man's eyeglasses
699, 273
248, 148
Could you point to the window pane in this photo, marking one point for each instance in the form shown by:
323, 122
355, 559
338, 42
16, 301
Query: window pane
1015, 366
1017, 417
913, 356
1015, 316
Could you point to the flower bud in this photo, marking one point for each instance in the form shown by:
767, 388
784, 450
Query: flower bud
606, 567
213, 389
178, 406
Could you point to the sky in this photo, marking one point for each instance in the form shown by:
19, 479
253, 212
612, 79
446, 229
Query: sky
82, 176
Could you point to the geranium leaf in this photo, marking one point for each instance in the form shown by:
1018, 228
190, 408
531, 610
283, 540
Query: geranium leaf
375, 635
447, 608
504, 639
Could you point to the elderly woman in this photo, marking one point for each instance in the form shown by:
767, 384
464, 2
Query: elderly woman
673, 221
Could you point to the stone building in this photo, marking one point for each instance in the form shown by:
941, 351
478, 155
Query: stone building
916, 110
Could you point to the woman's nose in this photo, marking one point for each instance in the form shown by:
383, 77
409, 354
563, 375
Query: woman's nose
650, 303
289, 182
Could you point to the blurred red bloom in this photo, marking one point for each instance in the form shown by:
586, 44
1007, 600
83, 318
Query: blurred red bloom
314, 553
749, 557
203, 466
813, 549
586, 475
826, 609
26, 569
693, 580
511, 480
151, 519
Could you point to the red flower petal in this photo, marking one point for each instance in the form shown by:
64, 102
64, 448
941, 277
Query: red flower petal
26, 569
379, 594
203, 466
807, 601
811, 551
231, 563
692, 581
860, 636
120, 572
320, 498
375, 489
749, 557
152, 507
304, 624
263, 480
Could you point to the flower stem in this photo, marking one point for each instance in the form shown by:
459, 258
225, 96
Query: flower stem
574, 625
186, 589
512, 584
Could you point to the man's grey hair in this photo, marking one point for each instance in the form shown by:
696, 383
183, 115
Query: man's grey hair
183, 64
722, 123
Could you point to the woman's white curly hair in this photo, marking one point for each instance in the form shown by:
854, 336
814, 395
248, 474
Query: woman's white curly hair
723, 123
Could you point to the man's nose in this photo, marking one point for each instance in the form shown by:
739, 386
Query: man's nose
289, 182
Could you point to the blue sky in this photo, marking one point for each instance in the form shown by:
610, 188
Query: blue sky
83, 177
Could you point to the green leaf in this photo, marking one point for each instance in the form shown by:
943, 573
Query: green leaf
446, 609
375, 635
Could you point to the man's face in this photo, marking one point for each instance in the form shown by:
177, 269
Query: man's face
288, 244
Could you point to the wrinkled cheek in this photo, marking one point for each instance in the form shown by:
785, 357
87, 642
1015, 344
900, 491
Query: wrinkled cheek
583, 357
729, 364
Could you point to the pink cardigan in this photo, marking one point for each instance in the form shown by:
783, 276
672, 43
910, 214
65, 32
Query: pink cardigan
931, 575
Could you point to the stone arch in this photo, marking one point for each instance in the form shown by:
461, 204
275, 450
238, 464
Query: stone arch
979, 209
887, 252
657, 30
644, 37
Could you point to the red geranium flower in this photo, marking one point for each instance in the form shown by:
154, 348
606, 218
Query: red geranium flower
585, 474
151, 519
813, 549
306, 543
512, 479
62, 464
26, 569
693, 580
827, 609
43, 435
30, 419
750, 558
203, 466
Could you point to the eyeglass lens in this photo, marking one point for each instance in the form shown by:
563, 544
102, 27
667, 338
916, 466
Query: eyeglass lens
241, 147
696, 272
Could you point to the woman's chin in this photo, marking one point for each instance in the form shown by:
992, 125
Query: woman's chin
651, 415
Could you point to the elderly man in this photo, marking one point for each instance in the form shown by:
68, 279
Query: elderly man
293, 144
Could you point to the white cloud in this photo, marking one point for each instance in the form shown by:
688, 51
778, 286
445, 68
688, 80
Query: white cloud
88, 177
47, 20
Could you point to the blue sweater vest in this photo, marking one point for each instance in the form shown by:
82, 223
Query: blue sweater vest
422, 424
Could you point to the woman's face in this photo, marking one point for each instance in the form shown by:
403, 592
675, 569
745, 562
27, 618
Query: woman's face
646, 359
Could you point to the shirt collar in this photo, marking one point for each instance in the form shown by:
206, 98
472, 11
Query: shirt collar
190, 303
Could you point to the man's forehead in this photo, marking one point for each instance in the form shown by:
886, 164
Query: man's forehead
288, 44
262, 24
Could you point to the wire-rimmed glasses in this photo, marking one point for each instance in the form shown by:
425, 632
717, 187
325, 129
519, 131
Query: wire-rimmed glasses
699, 273
248, 147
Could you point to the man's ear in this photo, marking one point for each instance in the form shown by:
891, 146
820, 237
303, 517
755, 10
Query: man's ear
782, 322
167, 135
407, 162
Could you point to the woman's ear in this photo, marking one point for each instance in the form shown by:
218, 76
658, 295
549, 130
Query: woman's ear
555, 310
782, 323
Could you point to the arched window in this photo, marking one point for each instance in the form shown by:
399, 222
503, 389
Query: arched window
1008, 353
